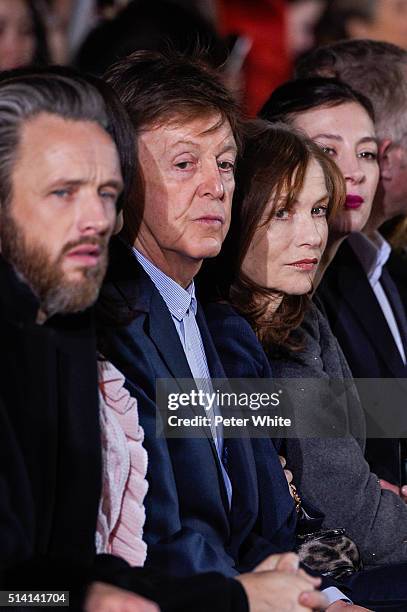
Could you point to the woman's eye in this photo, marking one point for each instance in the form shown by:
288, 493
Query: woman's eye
368, 155
328, 150
283, 213
226, 166
319, 211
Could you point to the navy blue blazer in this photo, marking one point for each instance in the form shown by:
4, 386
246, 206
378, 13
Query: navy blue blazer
358, 323
189, 527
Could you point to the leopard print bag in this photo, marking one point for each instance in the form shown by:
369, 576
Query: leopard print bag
329, 552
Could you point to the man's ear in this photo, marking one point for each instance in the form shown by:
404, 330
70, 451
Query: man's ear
385, 161
119, 223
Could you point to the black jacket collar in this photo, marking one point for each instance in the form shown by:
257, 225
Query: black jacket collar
17, 302
356, 291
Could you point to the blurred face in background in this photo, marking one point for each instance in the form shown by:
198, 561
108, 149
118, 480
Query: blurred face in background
301, 19
17, 38
393, 176
389, 23
347, 134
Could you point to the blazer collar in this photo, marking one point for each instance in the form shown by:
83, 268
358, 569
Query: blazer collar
358, 294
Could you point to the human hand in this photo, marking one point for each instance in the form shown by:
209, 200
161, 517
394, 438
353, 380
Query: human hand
282, 590
288, 562
392, 487
287, 473
102, 597
340, 605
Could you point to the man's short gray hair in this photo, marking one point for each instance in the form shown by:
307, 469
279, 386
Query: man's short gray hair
24, 96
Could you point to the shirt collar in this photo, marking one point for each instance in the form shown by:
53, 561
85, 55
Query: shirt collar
177, 299
372, 253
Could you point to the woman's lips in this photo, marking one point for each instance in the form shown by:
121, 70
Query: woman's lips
353, 202
305, 264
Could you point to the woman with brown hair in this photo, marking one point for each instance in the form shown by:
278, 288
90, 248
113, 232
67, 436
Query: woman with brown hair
257, 270
287, 192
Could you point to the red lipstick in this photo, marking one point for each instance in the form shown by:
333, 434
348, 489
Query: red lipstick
353, 202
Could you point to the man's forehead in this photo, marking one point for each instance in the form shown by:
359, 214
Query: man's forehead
51, 135
54, 150
177, 130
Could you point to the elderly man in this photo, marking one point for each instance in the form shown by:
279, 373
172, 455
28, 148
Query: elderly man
213, 503
186, 126
359, 295
62, 177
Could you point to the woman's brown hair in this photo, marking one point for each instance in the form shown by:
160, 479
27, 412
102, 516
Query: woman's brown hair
274, 163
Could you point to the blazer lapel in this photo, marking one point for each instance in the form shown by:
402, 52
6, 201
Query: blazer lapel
390, 288
239, 458
214, 364
165, 337
358, 294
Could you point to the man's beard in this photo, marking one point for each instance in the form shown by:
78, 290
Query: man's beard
47, 279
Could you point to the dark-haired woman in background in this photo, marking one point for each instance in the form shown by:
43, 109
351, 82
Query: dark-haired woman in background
266, 272
341, 122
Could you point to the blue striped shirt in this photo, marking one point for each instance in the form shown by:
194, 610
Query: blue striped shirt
182, 305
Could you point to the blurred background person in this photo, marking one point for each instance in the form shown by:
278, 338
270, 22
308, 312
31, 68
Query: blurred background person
302, 17
384, 20
23, 39
255, 43
152, 25
79, 17
276, 32
265, 63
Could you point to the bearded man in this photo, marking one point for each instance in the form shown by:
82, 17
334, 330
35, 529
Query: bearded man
61, 178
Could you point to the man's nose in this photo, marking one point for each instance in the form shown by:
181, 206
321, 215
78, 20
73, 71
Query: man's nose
211, 184
94, 217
